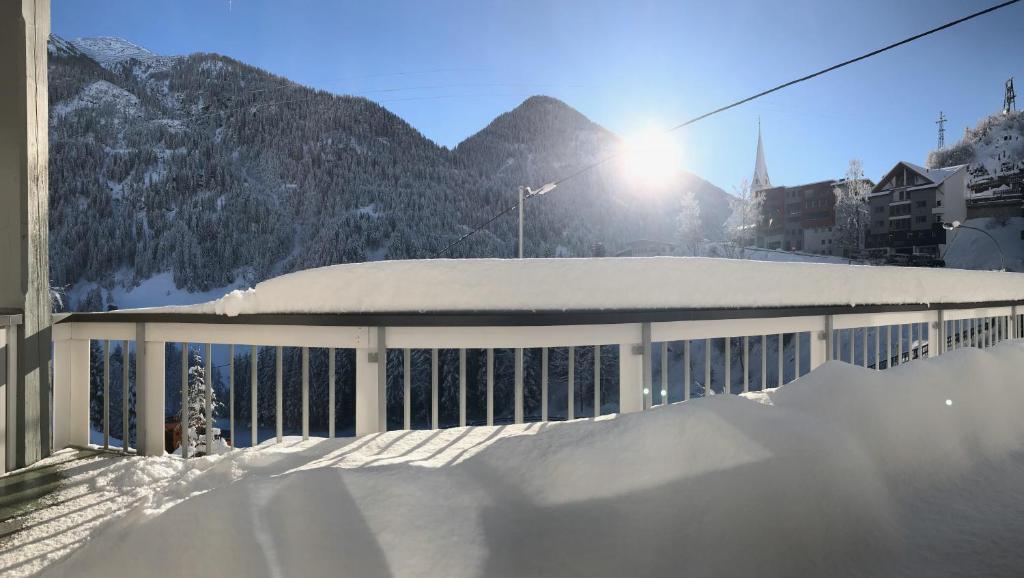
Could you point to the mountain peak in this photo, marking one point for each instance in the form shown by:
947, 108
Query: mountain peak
111, 50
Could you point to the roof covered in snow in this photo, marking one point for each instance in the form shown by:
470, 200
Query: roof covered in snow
936, 175
556, 285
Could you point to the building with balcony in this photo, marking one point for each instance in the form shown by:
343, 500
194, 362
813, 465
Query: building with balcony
909, 205
999, 195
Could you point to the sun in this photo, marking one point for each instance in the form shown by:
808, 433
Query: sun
651, 158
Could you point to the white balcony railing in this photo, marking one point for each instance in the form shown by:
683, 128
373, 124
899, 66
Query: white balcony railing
790, 341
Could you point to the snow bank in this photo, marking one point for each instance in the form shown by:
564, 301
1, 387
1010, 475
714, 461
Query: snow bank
596, 284
970, 249
913, 471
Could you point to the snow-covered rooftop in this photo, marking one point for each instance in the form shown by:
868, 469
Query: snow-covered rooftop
936, 175
489, 285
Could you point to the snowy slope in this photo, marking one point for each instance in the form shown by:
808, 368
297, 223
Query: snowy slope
846, 472
110, 51
970, 249
609, 283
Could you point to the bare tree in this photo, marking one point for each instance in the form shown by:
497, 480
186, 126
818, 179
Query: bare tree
690, 228
852, 218
741, 226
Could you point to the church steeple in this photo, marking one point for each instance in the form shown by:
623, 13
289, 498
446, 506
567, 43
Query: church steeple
760, 180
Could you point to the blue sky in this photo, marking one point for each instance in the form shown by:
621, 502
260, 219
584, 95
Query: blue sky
450, 67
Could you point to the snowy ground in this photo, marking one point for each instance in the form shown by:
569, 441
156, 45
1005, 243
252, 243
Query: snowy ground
914, 471
970, 249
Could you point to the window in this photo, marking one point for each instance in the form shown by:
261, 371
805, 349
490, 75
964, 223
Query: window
921, 219
921, 203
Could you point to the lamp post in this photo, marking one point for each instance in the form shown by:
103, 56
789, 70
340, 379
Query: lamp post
958, 225
525, 193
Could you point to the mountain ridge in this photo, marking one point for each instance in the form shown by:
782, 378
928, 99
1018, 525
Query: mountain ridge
224, 174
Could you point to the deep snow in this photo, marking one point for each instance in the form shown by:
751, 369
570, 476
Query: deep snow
970, 249
913, 471
608, 283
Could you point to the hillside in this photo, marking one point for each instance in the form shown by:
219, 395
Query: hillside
994, 149
214, 174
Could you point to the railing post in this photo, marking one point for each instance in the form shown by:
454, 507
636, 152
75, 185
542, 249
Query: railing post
820, 344
646, 377
1015, 332
149, 408
371, 367
70, 390
631, 377
937, 335
8, 379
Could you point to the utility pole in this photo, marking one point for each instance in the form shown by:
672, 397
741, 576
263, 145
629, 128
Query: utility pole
1009, 97
942, 129
522, 191
525, 193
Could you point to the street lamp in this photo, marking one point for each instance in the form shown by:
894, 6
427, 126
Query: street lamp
525, 193
958, 225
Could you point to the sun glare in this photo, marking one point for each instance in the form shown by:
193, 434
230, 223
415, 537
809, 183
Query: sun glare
651, 158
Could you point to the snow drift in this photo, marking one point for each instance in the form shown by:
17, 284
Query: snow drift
845, 472
596, 284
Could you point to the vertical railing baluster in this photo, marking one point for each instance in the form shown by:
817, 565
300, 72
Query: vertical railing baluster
797, 338
664, 373
434, 395
544, 384
746, 364
708, 390
779, 381
462, 387
185, 410
852, 336
305, 392
279, 394
727, 388
407, 388
231, 394
254, 394
125, 359
764, 362
106, 394
331, 375
899, 344
687, 370
864, 347
572, 383
878, 349
208, 400
518, 399
597, 381
490, 386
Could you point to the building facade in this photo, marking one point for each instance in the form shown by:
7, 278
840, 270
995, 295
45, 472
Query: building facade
800, 218
999, 195
909, 205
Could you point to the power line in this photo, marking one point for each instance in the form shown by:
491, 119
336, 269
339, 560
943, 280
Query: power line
777, 88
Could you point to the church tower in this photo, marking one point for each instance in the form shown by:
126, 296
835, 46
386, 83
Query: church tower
760, 180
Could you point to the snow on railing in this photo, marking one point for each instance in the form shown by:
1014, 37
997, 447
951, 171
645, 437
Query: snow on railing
491, 365
9, 323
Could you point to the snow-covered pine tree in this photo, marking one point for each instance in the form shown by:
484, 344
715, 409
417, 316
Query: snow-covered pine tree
197, 404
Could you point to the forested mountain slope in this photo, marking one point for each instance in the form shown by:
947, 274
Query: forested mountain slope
216, 173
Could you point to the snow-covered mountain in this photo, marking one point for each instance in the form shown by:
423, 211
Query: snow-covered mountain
206, 174
109, 51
